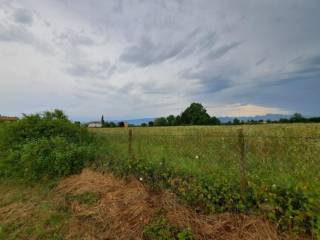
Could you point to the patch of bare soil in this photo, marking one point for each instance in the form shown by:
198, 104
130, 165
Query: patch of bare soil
125, 207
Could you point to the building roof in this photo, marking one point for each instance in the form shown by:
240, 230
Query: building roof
94, 123
6, 118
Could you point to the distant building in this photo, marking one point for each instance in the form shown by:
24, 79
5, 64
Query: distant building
8, 119
123, 124
94, 124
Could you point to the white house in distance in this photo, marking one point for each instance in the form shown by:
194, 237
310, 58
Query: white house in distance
8, 119
94, 125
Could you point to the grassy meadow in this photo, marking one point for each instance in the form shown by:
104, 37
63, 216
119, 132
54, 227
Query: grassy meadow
201, 164
281, 154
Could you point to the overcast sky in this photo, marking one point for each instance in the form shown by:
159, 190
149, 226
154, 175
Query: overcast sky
146, 58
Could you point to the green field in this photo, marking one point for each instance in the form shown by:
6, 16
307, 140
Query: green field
275, 154
201, 164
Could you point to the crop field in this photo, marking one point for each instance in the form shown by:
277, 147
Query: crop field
202, 165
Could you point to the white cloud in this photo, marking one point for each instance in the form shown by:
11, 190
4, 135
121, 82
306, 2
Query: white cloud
130, 59
243, 110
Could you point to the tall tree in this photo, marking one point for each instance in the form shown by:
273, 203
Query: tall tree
236, 121
195, 114
215, 121
162, 121
102, 121
171, 120
297, 117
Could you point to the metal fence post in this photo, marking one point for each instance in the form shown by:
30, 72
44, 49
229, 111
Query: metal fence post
242, 164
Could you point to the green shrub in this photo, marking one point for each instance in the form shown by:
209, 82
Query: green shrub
160, 229
290, 208
83, 198
46, 125
44, 146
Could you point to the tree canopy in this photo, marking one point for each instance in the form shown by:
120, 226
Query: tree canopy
195, 114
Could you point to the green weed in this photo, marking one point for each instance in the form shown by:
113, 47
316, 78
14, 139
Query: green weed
201, 165
160, 229
83, 198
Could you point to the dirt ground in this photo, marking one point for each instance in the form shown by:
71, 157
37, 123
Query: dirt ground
124, 208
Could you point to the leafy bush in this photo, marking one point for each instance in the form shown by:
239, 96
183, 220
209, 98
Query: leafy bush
290, 208
160, 229
44, 146
201, 165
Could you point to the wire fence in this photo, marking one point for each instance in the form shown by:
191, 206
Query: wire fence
236, 156
271, 170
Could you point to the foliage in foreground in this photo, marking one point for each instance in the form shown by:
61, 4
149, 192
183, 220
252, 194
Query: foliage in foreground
44, 146
290, 208
160, 229
289, 198
34, 213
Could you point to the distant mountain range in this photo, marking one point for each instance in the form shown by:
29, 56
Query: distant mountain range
272, 117
139, 121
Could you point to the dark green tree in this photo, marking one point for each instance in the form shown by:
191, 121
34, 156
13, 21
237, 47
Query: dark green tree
112, 124
195, 114
236, 121
178, 120
162, 121
171, 120
215, 121
102, 121
297, 117
55, 115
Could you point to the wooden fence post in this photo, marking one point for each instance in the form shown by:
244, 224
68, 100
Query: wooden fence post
130, 145
242, 164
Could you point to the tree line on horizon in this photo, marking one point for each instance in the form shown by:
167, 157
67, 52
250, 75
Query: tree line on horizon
196, 114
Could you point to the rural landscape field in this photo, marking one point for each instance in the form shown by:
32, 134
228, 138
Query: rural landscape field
155, 174
283, 155
159, 120
202, 164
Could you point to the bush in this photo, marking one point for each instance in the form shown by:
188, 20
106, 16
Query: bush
160, 229
290, 208
44, 146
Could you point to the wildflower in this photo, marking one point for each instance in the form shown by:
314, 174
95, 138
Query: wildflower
141, 179
197, 157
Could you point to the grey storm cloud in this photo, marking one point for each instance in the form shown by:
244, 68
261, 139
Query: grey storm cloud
101, 70
20, 34
75, 38
221, 51
23, 16
208, 82
149, 58
261, 61
10, 33
146, 52
295, 89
